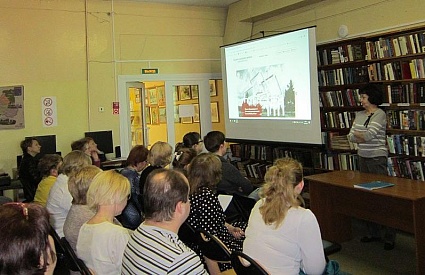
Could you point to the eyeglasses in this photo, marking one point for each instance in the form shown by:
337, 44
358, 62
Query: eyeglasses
199, 141
21, 205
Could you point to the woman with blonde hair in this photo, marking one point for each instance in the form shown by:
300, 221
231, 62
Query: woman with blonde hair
60, 200
101, 242
79, 213
281, 235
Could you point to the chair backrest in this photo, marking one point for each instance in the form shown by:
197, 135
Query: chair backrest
246, 265
211, 246
243, 205
75, 264
187, 234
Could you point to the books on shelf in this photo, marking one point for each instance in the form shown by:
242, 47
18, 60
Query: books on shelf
374, 185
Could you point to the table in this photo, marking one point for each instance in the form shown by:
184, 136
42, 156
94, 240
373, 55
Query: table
14, 185
334, 200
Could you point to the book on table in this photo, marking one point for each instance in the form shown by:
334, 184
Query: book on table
373, 185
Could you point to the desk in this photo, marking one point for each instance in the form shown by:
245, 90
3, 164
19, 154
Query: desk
113, 163
15, 184
334, 200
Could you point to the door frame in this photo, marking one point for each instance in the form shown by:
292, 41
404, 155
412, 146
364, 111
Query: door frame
170, 80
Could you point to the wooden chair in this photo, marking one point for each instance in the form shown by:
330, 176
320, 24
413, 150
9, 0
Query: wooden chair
243, 264
75, 264
187, 234
213, 249
243, 205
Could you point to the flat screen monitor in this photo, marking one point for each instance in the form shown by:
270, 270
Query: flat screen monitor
103, 140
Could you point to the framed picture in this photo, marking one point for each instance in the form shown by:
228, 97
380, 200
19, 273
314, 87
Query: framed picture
184, 92
194, 90
148, 115
213, 88
154, 114
137, 95
162, 115
176, 114
195, 113
160, 91
214, 112
153, 96
186, 120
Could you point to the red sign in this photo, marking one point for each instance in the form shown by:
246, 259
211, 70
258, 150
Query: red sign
115, 108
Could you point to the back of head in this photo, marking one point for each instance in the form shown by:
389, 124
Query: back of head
213, 140
107, 188
190, 139
279, 190
163, 189
138, 153
160, 154
79, 183
374, 92
204, 171
80, 144
183, 157
27, 142
74, 161
24, 239
47, 163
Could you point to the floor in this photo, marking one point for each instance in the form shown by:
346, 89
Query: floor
371, 258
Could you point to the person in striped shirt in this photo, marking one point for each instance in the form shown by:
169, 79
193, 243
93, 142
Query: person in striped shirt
155, 248
368, 131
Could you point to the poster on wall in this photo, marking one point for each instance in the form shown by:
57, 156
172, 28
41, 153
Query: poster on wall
12, 107
49, 111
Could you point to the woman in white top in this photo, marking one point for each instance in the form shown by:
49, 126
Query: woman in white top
101, 243
60, 200
281, 235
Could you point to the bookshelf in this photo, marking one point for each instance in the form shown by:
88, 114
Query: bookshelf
393, 60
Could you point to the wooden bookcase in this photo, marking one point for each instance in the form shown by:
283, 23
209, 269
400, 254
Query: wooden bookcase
393, 60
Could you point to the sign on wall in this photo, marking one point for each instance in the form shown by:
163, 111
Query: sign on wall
49, 111
12, 107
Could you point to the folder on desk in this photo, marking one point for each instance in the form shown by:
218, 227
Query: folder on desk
373, 185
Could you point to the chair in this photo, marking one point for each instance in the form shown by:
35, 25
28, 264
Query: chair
211, 246
246, 265
243, 205
213, 250
75, 264
187, 234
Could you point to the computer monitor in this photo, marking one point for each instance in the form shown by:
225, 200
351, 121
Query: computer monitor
103, 140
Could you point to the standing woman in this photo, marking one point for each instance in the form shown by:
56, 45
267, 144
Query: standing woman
281, 235
368, 131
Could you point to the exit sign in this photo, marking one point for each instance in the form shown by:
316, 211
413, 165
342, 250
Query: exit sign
149, 71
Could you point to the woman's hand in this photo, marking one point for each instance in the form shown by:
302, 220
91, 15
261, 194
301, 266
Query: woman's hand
235, 231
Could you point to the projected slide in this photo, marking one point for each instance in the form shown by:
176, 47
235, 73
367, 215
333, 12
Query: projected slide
271, 82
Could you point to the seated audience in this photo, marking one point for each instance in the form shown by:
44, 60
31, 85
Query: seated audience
101, 243
206, 212
166, 207
160, 156
60, 200
25, 244
281, 235
79, 213
232, 180
193, 140
28, 170
131, 216
182, 158
48, 167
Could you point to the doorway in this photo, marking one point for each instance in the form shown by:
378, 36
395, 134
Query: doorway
157, 122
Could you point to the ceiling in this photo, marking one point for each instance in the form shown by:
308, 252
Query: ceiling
205, 3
